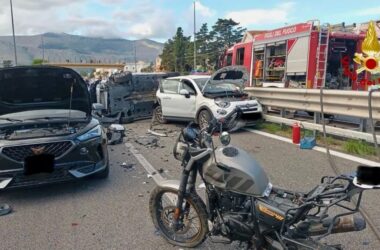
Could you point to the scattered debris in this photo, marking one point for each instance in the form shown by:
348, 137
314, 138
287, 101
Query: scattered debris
366, 242
145, 182
5, 209
140, 195
128, 166
149, 176
147, 141
156, 133
74, 224
115, 134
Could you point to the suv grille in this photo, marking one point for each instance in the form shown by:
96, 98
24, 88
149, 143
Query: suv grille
19, 153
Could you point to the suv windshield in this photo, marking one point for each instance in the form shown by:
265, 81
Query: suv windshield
201, 82
221, 88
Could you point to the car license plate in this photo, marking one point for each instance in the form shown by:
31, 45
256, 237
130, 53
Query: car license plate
39, 164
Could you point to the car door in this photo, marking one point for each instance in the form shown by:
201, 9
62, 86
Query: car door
169, 93
186, 104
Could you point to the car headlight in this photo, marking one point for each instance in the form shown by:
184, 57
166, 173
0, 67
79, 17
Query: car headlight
222, 104
93, 133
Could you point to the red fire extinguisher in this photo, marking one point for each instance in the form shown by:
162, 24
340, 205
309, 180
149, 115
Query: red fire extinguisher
296, 133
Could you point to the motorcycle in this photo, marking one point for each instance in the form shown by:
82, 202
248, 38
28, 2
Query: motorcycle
240, 203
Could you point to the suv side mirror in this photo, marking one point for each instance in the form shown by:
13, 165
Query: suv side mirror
184, 92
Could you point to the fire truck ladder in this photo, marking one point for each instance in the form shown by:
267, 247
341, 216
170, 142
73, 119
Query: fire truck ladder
322, 55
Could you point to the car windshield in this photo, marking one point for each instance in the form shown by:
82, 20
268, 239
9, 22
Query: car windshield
201, 82
220, 88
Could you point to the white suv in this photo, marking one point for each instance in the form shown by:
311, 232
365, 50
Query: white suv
200, 97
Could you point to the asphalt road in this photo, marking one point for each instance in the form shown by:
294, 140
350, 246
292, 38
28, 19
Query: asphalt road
113, 213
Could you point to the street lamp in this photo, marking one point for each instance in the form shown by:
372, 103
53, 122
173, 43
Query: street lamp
195, 46
13, 30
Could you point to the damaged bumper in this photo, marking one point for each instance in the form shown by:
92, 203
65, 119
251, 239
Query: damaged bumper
81, 160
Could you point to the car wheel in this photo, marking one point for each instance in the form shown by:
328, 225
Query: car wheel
204, 118
104, 173
158, 116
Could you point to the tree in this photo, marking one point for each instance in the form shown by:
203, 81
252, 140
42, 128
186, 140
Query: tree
203, 39
167, 62
225, 33
181, 44
176, 52
37, 61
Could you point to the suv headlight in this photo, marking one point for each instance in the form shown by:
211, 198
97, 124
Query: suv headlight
222, 104
93, 133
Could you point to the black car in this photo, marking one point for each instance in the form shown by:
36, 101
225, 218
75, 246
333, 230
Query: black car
47, 132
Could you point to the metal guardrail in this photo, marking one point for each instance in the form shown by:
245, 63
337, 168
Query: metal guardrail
336, 102
341, 132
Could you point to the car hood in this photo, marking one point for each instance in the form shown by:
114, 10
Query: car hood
40, 87
237, 75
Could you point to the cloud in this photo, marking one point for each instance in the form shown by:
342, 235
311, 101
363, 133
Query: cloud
90, 17
278, 14
146, 20
368, 12
203, 10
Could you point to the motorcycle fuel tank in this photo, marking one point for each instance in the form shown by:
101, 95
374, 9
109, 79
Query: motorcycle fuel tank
235, 170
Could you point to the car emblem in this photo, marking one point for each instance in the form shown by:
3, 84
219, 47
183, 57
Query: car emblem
38, 150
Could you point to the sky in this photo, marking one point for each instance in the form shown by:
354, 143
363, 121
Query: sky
158, 19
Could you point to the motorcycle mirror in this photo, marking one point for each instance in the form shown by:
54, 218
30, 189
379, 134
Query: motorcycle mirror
225, 138
368, 175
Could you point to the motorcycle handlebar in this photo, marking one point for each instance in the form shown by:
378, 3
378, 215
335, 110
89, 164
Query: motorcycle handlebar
215, 122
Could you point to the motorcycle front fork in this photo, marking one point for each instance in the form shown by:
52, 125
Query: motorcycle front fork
187, 184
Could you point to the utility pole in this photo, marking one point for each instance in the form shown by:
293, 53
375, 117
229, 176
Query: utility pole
13, 30
135, 56
195, 46
43, 48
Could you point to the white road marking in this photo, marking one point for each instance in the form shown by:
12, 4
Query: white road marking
156, 176
319, 149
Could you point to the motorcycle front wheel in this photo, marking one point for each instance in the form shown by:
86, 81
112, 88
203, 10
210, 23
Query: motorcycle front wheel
192, 227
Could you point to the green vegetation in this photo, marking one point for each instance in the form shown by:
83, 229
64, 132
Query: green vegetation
355, 147
38, 61
359, 147
178, 52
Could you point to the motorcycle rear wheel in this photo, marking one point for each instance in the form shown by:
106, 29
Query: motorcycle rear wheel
193, 226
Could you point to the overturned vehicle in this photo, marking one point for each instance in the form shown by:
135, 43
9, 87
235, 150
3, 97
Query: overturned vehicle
125, 97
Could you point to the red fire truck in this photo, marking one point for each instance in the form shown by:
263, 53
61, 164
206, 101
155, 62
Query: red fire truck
305, 55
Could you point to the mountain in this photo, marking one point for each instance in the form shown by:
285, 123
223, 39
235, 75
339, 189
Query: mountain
59, 47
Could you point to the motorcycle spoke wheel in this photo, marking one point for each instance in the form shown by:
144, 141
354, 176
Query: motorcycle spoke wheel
191, 228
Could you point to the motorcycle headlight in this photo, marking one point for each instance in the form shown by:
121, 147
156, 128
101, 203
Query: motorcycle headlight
222, 104
93, 133
225, 138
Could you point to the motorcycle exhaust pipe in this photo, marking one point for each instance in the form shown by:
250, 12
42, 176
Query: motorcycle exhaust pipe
349, 223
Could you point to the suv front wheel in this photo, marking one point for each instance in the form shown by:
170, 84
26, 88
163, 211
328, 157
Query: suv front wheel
204, 118
158, 116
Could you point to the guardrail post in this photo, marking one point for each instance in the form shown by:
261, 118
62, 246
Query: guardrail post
282, 113
363, 125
